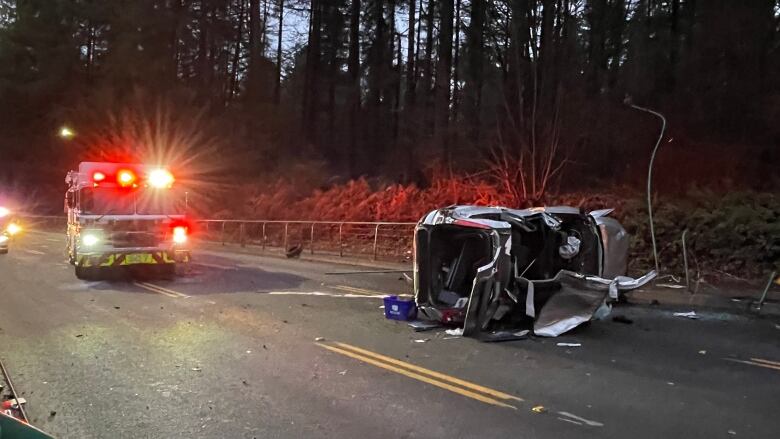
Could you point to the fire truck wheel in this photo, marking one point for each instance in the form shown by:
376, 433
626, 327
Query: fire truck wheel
85, 273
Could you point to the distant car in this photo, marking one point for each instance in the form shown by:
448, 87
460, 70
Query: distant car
496, 271
5, 234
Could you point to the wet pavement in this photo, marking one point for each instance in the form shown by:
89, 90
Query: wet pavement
248, 346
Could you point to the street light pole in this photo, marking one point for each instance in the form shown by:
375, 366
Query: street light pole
650, 178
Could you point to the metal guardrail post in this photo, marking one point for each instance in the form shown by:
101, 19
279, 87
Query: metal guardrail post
685, 262
285, 236
265, 238
311, 240
242, 234
223, 233
341, 244
376, 239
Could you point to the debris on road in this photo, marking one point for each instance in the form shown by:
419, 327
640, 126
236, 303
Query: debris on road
497, 336
343, 372
196, 369
538, 409
703, 352
294, 251
421, 340
397, 308
319, 339
674, 286
456, 332
494, 269
690, 314
423, 325
570, 345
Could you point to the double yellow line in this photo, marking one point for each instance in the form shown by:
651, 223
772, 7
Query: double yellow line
760, 362
453, 384
160, 290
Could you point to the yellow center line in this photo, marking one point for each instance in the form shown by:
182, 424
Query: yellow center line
767, 366
439, 375
159, 289
761, 360
407, 373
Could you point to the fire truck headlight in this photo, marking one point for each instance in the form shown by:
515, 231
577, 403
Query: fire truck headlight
13, 229
89, 240
179, 235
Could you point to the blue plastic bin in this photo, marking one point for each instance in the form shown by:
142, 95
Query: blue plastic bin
399, 309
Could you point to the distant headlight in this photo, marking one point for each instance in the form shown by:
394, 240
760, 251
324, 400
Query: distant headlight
89, 240
13, 229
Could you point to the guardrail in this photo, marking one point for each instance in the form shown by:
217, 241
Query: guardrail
377, 240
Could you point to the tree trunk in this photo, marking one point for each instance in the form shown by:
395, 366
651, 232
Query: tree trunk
456, 64
410, 57
353, 69
311, 90
278, 88
475, 47
442, 91
237, 52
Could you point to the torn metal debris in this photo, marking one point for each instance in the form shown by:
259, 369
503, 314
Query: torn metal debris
494, 271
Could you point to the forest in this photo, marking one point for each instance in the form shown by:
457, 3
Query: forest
385, 109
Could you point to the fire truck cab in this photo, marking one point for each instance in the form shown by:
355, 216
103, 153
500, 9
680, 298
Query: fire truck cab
123, 214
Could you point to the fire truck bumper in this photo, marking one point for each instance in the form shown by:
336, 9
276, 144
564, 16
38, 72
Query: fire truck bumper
118, 259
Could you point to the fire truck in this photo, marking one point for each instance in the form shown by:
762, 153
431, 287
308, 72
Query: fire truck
125, 215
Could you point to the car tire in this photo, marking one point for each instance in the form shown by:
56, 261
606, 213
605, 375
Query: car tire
4, 251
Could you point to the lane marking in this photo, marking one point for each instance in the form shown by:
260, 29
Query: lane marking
761, 360
322, 294
366, 291
160, 290
35, 252
580, 419
433, 373
753, 363
358, 290
221, 267
416, 376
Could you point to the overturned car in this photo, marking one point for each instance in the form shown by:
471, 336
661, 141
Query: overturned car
500, 272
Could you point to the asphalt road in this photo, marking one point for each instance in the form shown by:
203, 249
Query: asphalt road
248, 346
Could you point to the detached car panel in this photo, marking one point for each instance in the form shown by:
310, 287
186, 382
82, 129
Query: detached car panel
493, 269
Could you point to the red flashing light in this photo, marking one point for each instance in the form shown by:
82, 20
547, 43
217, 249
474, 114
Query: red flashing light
180, 234
125, 177
98, 176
